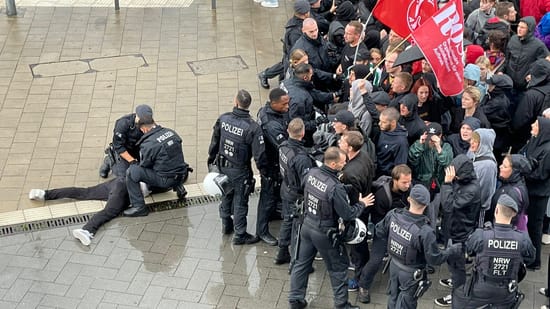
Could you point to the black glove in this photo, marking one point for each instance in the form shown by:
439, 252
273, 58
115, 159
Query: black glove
321, 119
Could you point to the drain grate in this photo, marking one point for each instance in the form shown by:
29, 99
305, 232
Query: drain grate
217, 65
80, 219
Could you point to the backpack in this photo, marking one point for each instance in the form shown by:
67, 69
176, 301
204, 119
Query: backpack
383, 182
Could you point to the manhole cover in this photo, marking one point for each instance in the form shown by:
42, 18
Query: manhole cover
217, 65
80, 66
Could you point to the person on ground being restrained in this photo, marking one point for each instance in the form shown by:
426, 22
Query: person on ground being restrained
294, 163
500, 252
273, 119
124, 148
325, 201
411, 244
161, 165
236, 138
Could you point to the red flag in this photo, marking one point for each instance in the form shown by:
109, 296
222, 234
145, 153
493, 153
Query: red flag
403, 16
440, 40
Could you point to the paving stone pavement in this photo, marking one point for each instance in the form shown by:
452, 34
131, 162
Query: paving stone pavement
170, 259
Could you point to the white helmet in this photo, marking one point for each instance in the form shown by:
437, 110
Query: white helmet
216, 184
355, 232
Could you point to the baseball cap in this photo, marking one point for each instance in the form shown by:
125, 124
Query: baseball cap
508, 201
145, 114
345, 117
420, 194
380, 98
434, 128
301, 6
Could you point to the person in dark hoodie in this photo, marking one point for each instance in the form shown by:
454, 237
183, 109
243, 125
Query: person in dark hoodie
496, 106
537, 151
345, 12
408, 109
532, 102
523, 49
460, 203
511, 178
392, 146
460, 142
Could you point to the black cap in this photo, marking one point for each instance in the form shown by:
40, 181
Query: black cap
508, 201
145, 114
420, 194
434, 128
380, 98
345, 117
301, 6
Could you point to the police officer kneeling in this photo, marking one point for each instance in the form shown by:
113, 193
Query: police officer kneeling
325, 201
500, 254
411, 245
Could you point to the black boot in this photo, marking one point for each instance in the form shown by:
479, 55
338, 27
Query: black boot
137, 211
180, 191
263, 80
105, 168
227, 226
283, 256
298, 304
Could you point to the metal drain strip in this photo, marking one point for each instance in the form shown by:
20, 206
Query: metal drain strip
83, 218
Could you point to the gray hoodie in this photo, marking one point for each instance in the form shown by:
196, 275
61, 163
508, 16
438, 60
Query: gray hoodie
485, 166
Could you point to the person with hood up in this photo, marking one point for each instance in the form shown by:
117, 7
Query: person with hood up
392, 146
460, 202
468, 108
523, 49
511, 178
533, 101
485, 166
460, 142
345, 12
408, 109
496, 106
429, 156
472, 77
542, 32
537, 151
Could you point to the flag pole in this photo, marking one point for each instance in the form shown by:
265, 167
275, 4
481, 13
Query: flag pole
393, 50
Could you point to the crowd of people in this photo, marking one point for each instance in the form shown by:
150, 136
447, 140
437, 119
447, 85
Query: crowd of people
353, 131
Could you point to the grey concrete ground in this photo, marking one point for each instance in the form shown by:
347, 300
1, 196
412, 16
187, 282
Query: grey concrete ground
170, 259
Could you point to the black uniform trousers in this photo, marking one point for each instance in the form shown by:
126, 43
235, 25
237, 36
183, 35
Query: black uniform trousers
275, 70
136, 174
312, 240
270, 196
236, 201
401, 288
484, 293
117, 201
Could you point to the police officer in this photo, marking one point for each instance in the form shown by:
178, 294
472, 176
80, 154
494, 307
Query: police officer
294, 163
325, 201
161, 164
273, 119
236, 138
124, 148
411, 244
500, 251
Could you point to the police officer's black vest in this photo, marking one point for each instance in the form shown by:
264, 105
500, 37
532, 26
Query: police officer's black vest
233, 145
289, 176
403, 240
500, 259
316, 197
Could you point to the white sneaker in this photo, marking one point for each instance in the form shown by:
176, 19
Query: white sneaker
270, 4
84, 236
37, 194
144, 189
444, 301
545, 239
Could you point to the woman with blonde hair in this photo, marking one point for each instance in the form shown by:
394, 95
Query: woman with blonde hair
469, 108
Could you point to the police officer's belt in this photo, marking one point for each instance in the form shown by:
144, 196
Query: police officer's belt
407, 268
497, 281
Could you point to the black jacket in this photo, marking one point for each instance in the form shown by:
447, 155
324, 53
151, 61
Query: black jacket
317, 52
293, 31
292, 187
537, 152
301, 105
412, 122
521, 52
126, 135
461, 201
392, 149
160, 150
273, 126
457, 116
358, 172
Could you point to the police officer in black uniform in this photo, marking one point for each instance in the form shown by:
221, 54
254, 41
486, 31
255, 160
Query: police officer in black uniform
500, 251
294, 163
124, 148
411, 244
236, 138
161, 164
273, 119
325, 201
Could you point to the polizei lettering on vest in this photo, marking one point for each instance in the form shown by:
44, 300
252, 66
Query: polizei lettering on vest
232, 129
165, 136
502, 244
316, 183
399, 231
